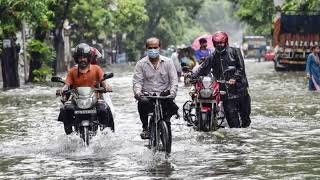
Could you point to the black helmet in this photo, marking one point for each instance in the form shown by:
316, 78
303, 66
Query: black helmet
82, 50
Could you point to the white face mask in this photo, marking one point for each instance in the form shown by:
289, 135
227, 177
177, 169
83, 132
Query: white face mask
153, 53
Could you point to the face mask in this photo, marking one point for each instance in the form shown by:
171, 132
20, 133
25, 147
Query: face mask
153, 53
220, 49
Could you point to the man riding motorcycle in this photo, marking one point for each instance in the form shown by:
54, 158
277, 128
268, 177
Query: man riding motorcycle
237, 101
154, 73
85, 75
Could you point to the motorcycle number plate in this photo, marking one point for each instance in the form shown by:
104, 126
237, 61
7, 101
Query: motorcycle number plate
91, 111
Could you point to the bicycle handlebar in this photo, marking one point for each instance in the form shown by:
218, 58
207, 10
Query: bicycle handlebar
157, 97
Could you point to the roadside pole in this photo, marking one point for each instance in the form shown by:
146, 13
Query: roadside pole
24, 51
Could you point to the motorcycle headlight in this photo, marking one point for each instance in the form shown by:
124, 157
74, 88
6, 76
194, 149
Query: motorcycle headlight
84, 103
205, 93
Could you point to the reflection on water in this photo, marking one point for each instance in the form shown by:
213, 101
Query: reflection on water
282, 143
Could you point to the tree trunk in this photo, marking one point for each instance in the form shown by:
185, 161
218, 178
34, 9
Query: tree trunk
9, 65
59, 48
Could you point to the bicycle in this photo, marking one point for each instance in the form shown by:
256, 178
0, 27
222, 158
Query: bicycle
160, 134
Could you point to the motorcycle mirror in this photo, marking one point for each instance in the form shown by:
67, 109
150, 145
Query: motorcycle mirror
107, 76
57, 79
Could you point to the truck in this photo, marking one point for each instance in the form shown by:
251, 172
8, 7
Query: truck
293, 36
253, 46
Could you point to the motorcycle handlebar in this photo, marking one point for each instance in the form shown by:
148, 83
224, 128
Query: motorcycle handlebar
193, 81
101, 90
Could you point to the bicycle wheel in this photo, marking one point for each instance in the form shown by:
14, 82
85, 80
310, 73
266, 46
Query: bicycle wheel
152, 134
165, 136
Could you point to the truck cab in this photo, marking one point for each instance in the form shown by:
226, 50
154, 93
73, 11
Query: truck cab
292, 38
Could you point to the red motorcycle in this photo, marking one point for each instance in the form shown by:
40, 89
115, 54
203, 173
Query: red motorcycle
205, 110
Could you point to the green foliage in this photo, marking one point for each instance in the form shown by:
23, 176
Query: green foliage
45, 55
301, 7
259, 14
41, 74
34, 12
170, 20
43, 51
92, 17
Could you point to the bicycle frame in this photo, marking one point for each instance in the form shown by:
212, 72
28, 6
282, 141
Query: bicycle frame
153, 121
156, 126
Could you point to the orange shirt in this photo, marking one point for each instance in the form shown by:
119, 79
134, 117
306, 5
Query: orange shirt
89, 79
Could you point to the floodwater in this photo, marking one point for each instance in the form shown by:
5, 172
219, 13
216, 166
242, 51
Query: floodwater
282, 142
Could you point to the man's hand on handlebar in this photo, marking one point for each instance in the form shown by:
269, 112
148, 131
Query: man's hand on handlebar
231, 81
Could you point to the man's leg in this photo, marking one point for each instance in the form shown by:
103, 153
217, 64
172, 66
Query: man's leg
245, 110
144, 107
231, 112
68, 117
105, 115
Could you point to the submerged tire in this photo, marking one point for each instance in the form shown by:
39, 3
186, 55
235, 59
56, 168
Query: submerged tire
164, 136
206, 123
85, 135
152, 135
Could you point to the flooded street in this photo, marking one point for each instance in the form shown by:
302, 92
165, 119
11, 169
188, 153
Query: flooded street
282, 142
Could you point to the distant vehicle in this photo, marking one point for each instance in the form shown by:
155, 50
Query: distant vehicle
269, 56
254, 46
293, 36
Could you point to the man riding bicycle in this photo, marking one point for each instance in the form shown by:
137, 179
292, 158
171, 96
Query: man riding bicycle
154, 74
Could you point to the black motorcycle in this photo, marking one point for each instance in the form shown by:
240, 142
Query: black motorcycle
85, 121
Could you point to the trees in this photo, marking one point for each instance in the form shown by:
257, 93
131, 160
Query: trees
259, 14
128, 21
13, 14
124, 23
301, 6
170, 20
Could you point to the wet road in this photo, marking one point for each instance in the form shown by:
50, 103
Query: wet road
282, 142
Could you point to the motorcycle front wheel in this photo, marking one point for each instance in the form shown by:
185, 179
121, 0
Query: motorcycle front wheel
205, 122
85, 135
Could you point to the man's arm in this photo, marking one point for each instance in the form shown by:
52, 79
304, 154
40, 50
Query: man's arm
240, 67
173, 78
204, 68
137, 80
104, 84
69, 81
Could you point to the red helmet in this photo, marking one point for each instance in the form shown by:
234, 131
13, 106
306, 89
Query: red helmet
220, 37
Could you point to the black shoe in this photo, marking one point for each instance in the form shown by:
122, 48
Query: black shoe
144, 134
246, 123
68, 129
